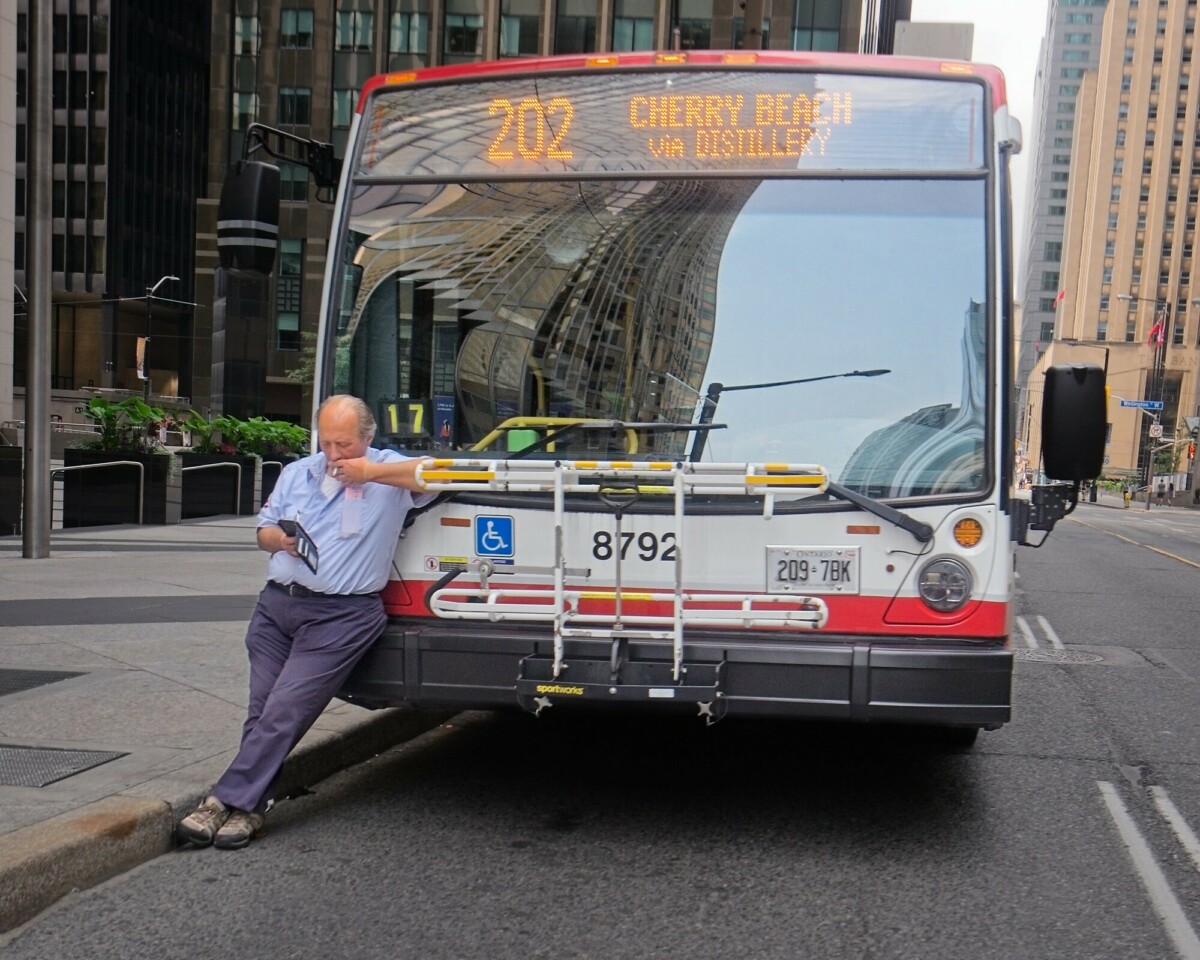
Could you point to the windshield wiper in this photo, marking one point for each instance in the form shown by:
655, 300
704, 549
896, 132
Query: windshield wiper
918, 528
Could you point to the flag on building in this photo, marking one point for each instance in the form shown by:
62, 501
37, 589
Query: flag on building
1158, 331
1062, 294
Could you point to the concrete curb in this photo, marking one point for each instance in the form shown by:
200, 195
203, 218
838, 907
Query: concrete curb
42, 863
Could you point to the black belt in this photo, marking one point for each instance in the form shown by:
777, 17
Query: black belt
298, 590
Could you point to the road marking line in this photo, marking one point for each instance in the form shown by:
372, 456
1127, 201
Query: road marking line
1162, 898
1049, 631
1030, 639
1178, 824
1165, 553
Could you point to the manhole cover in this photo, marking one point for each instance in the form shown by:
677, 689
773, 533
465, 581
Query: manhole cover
40, 766
1057, 656
18, 681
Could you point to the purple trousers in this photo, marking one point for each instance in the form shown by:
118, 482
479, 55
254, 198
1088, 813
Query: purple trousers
301, 651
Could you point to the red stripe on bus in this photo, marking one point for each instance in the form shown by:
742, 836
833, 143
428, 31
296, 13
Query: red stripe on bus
858, 614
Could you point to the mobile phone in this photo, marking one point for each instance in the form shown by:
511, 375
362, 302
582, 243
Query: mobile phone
289, 527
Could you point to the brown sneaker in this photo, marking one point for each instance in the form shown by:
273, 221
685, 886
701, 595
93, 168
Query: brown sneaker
201, 825
238, 830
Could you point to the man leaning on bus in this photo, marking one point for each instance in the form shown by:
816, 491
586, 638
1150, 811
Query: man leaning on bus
320, 609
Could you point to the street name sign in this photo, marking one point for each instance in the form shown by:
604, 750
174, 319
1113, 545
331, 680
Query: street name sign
1143, 404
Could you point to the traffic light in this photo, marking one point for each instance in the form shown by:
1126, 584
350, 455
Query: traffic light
1192, 450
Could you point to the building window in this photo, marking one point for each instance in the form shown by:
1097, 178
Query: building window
293, 183
633, 33
1072, 73
1050, 280
464, 34
287, 330
633, 25
1078, 38
1046, 304
519, 34
816, 25
1058, 211
575, 26
1075, 56
287, 294
344, 104
353, 29
295, 106
245, 36
296, 28
245, 109
409, 33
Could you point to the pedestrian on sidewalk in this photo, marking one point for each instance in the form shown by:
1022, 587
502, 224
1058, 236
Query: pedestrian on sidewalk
320, 609
1128, 496
1160, 494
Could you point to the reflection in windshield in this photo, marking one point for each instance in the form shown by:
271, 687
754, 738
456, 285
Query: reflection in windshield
626, 300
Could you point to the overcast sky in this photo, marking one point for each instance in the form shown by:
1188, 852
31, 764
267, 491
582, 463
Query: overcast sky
1008, 33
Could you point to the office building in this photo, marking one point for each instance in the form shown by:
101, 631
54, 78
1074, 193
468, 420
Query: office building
1129, 244
129, 92
1070, 49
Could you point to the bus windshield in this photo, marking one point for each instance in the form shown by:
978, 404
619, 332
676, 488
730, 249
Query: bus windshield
827, 310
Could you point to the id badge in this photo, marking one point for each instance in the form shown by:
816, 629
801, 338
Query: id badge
352, 510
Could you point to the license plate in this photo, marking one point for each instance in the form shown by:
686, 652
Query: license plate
812, 569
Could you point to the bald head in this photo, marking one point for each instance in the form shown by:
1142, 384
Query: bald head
343, 407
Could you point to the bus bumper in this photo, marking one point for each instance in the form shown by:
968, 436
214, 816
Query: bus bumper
944, 682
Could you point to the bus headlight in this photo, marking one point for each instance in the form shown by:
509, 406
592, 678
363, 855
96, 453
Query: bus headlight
945, 584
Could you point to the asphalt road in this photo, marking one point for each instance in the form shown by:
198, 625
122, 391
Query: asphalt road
1064, 835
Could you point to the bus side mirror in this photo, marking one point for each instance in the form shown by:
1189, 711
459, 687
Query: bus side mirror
248, 217
1073, 422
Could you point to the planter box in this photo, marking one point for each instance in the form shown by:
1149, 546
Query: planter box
213, 490
12, 491
271, 472
108, 495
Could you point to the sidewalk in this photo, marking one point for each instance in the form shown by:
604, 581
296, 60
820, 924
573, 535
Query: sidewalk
123, 686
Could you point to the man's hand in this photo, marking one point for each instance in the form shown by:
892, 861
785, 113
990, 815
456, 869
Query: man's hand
272, 539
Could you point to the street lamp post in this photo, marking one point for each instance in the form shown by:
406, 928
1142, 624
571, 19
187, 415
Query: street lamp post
1154, 383
150, 291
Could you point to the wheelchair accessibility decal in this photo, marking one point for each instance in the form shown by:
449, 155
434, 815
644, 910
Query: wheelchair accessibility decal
494, 537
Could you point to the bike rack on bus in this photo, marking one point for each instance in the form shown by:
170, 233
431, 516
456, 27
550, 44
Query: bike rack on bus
612, 481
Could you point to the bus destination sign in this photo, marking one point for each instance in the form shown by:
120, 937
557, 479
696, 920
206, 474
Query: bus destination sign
705, 127
646, 122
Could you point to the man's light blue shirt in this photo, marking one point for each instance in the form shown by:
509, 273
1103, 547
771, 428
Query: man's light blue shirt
355, 535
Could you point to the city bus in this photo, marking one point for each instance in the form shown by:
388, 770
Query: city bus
711, 356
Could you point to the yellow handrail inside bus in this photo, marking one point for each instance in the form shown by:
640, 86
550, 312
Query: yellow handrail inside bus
545, 423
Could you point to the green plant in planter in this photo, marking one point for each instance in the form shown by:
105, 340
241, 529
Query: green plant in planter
128, 425
272, 438
202, 432
255, 437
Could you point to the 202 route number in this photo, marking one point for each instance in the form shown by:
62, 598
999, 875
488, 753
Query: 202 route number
646, 545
